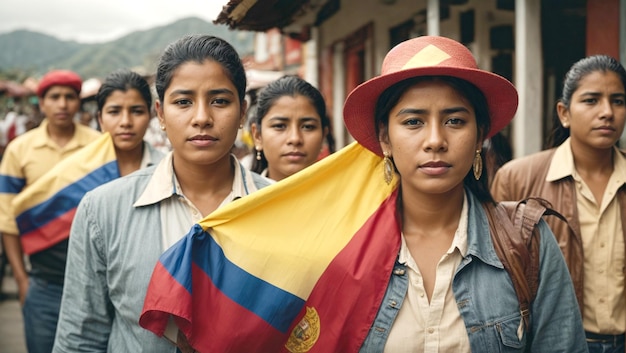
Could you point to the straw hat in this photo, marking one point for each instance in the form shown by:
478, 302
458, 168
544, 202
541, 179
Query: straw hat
426, 56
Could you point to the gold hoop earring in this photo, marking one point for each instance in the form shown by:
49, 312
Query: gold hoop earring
478, 165
387, 168
258, 153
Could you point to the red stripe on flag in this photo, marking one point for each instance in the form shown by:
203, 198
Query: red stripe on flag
242, 331
173, 297
48, 235
348, 294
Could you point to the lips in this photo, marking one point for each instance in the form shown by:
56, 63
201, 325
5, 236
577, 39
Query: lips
437, 164
605, 128
203, 138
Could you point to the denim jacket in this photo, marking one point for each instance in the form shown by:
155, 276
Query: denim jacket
487, 301
113, 250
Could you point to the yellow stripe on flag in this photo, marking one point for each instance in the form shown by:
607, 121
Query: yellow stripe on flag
337, 207
66, 172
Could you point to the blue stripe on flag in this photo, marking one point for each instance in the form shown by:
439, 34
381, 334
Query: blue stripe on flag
66, 199
274, 305
11, 185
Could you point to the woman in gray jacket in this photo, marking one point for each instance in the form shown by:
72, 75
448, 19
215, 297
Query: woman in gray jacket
121, 229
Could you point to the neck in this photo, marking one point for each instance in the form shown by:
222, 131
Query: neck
210, 179
61, 134
428, 213
592, 161
129, 161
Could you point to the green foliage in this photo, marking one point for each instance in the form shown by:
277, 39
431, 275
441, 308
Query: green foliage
36, 53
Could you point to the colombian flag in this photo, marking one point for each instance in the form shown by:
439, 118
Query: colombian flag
299, 266
45, 209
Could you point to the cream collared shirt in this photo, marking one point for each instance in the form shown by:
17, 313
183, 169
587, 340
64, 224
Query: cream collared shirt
436, 326
603, 243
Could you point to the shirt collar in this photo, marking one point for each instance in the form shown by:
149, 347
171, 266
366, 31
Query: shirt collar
562, 164
164, 184
43, 138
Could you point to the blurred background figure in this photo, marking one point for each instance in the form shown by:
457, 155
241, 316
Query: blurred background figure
289, 127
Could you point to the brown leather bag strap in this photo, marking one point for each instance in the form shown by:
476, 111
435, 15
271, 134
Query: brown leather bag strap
513, 253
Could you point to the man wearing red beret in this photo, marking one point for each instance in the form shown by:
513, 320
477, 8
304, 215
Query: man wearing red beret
26, 159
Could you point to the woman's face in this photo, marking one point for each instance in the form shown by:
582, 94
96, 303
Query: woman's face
432, 137
597, 111
201, 113
291, 136
125, 115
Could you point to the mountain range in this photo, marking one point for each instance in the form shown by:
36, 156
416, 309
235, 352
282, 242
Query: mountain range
35, 53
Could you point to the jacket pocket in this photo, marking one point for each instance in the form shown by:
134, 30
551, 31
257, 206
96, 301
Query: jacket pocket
512, 334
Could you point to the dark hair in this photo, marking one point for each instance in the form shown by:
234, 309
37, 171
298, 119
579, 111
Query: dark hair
571, 83
198, 48
123, 80
288, 85
390, 97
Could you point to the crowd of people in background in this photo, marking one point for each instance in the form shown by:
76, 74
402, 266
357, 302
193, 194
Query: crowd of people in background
201, 145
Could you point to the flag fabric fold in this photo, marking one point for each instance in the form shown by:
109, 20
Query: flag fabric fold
45, 209
299, 266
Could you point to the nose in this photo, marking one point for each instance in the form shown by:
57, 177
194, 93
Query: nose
63, 102
202, 115
606, 109
435, 140
126, 119
295, 135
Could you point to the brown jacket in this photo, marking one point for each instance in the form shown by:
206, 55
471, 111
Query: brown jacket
525, 177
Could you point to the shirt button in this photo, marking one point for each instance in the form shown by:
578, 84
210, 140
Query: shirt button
422, 294
601, 245
601, 300
431, 330
393, 303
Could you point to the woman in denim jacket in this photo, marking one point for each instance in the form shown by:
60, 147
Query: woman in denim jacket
122, 228
427, 114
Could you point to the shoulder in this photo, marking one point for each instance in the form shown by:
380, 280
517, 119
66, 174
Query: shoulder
260, 181
25, 140
528, 163
85, 133
126, 188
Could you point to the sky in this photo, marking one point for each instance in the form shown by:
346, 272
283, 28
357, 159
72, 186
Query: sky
96, 21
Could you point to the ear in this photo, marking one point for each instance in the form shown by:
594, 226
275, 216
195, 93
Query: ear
256, 135
99, 117
325, 132
564, 115
159, 110
383, 138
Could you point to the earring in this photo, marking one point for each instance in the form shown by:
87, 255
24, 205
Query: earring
162, 127
241, 126
387, 168
566, 125
258, 153
478, 165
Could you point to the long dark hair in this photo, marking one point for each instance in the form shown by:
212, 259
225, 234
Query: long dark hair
576, 73
390, 97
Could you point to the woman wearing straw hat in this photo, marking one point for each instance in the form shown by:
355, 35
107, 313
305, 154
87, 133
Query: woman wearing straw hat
427, 115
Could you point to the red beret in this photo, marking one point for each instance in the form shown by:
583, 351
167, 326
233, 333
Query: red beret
59, 78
